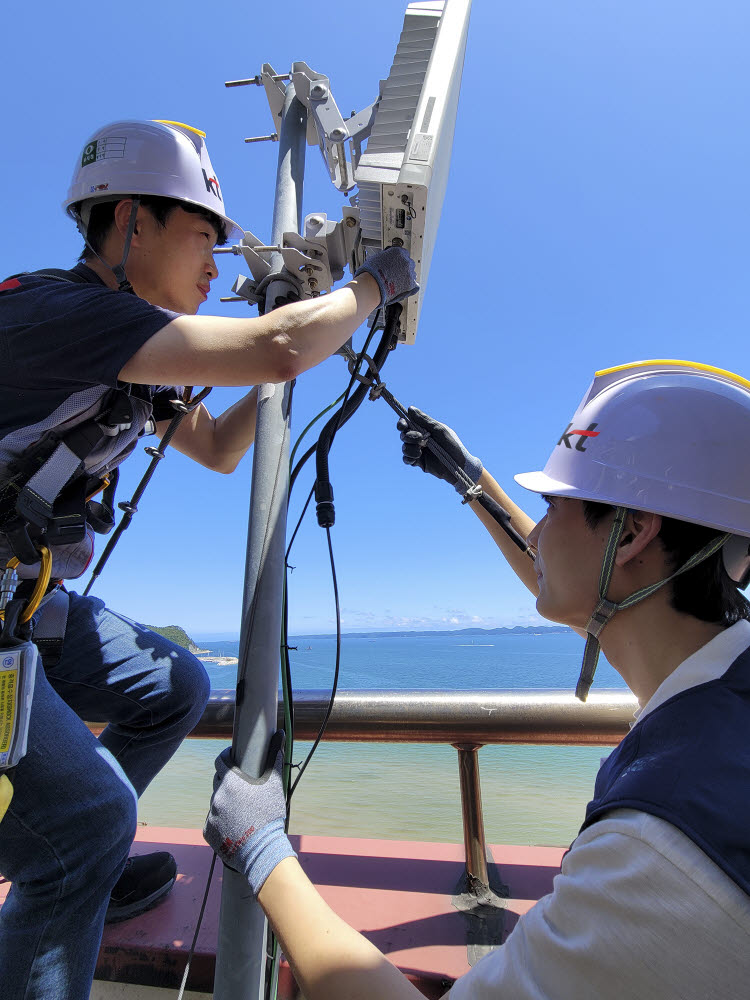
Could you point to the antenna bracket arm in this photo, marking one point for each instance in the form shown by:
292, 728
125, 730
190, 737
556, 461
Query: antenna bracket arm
326, 127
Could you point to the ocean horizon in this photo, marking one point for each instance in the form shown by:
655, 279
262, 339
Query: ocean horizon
531, 795
453, 660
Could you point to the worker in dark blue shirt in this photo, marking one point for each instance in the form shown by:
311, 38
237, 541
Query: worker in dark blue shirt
90, 359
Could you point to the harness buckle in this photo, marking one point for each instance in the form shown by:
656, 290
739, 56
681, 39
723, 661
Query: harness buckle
118, 418
23, 548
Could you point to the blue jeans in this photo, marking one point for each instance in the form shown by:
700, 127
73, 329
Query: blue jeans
65, 838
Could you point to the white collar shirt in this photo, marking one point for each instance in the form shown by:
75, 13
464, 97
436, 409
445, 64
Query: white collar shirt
638, 910
707, 664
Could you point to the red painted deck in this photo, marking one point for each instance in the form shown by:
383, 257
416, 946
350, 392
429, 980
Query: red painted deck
398, 893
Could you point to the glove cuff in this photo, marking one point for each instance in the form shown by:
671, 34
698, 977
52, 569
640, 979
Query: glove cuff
270, 845
374, 273
473, 469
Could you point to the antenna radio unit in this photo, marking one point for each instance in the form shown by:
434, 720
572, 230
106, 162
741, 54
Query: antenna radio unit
401, 173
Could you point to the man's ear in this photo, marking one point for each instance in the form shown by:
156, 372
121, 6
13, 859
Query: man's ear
641, 528
122, 218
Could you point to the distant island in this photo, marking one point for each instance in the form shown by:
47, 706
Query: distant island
514, 630
178, 635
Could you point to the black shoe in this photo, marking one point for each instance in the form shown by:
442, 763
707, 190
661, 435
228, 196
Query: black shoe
145, 880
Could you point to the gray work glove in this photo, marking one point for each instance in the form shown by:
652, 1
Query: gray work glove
245, 823
415, 433
393, 269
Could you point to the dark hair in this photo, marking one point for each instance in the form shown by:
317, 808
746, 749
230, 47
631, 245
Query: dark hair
705, 591
103, 216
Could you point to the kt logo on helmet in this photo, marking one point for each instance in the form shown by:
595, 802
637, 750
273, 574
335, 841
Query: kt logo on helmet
212, 185
567, 434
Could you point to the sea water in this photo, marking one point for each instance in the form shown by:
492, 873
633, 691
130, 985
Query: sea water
531, 795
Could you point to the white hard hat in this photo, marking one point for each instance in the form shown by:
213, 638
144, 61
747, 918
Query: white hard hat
670, 437
161, 158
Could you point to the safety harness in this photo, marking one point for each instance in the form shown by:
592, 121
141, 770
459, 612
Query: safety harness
46, 500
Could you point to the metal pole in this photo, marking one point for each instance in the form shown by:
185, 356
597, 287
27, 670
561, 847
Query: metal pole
471, 811
241, 950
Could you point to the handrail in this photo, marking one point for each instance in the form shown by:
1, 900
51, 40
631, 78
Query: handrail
478, 717
467, 720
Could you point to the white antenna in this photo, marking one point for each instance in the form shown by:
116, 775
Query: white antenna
403, 173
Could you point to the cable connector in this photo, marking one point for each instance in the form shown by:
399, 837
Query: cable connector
473, 493
325, 511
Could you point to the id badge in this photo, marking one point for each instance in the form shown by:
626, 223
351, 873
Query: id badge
17, 674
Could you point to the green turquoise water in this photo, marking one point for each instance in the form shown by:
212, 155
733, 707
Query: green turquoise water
531, 795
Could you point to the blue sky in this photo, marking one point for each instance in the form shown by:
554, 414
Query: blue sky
596, 214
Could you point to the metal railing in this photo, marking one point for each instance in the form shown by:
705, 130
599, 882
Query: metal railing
465, 719
533, 717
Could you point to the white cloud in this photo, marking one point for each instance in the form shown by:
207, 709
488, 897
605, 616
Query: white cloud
441, 619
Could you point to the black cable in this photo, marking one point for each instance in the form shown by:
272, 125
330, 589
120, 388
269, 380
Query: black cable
334, 686
287, 668
346, 411
286, 664
298, 467
197, 929
285, 659
299, 522
323, 491
311, 450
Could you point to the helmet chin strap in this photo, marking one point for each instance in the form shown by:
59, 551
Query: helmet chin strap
123, 282
605, 610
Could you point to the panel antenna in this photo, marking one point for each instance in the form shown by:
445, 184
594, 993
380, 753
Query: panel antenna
400, 174
403, 173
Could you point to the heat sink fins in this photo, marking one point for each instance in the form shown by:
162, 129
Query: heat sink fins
403, 172
384, 155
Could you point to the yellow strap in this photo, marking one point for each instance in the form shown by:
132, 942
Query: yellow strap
6, 794
40, 588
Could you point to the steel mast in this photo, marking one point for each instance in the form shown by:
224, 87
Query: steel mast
241, 951
401, 178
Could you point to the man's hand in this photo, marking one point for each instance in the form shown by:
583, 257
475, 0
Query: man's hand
245, 824
415, 434
393, 269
